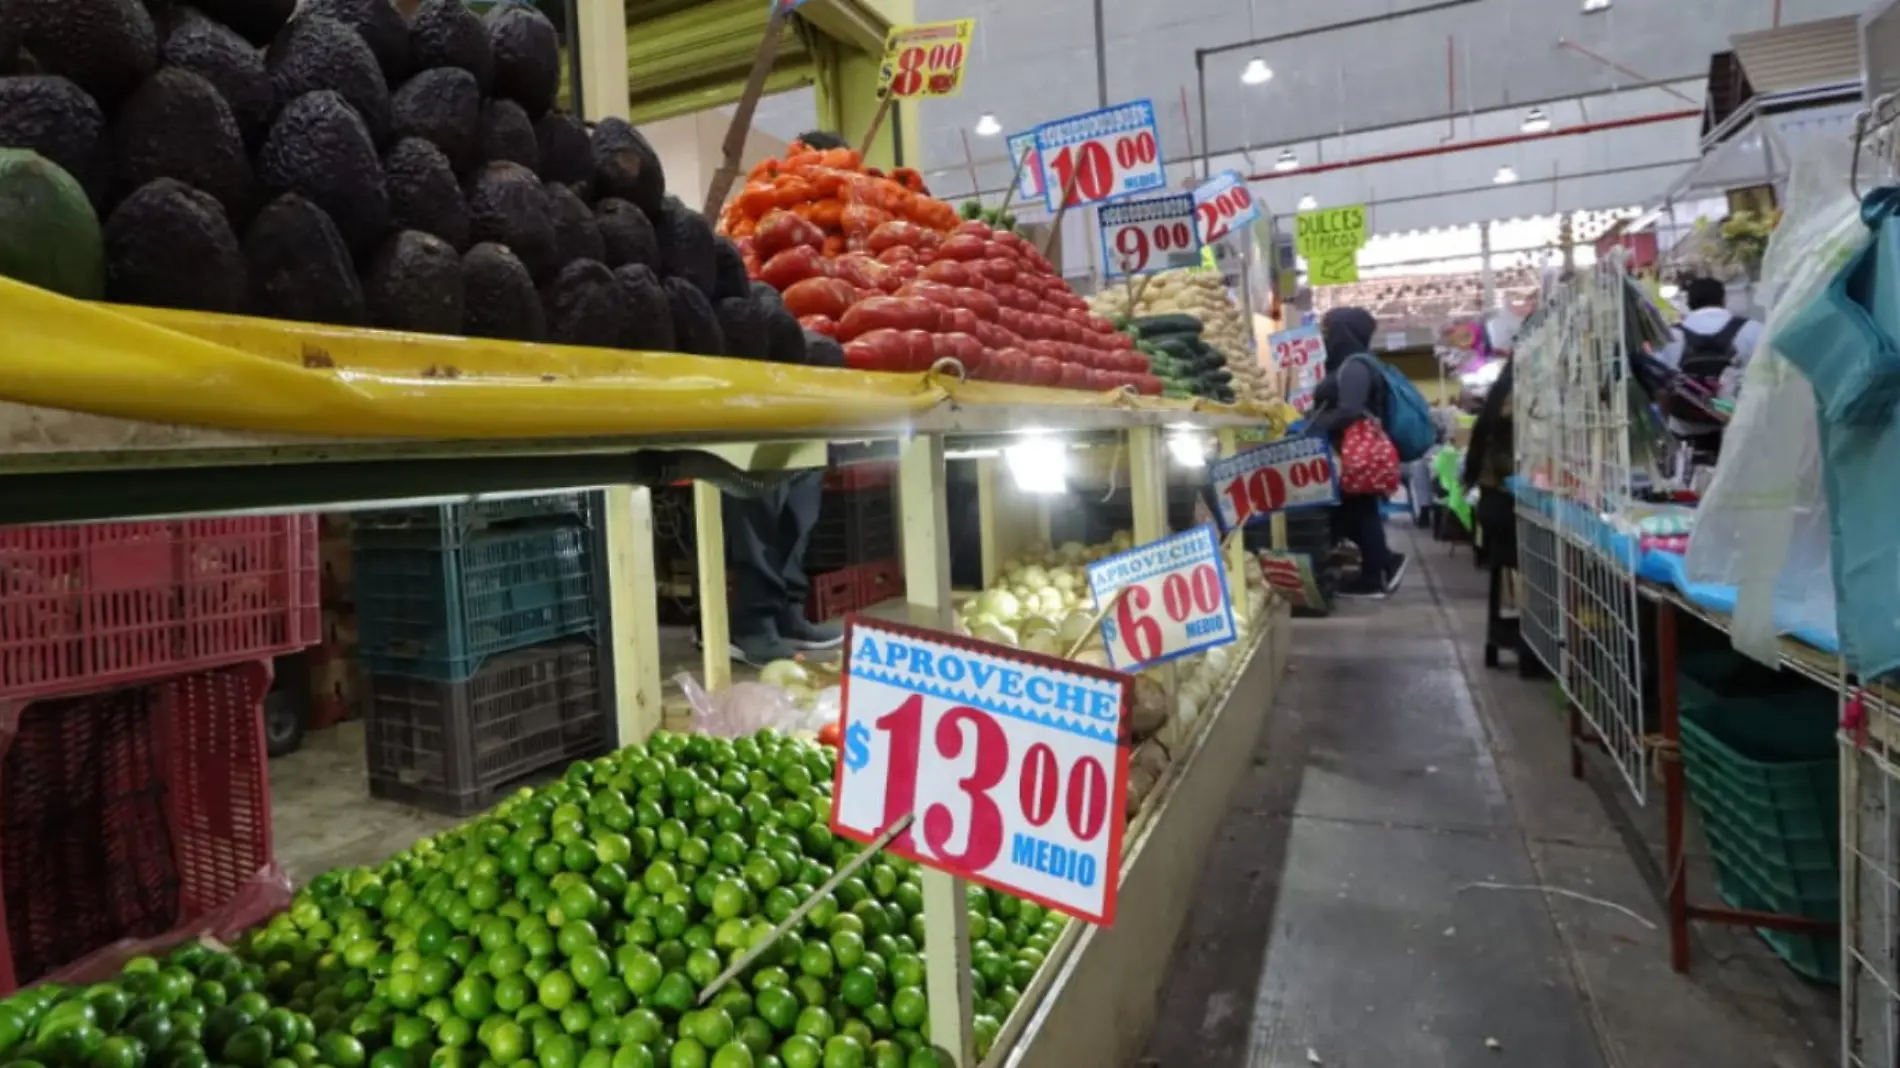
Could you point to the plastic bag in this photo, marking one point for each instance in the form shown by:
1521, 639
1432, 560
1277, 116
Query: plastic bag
748, 707
1762, 526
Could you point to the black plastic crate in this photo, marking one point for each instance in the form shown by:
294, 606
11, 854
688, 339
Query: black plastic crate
456, 747
456, 522
854, 527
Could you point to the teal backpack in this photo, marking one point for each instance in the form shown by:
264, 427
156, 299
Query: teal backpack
1407, 418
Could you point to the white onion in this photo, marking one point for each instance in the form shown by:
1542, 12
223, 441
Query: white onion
784, 673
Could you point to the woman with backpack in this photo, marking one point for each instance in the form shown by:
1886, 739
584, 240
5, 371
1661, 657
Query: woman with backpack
1347, 405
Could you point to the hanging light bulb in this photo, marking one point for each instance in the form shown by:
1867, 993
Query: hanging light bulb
987, 126
1535, 121
1257, 72
1287, 161
1505, 175
1307, 203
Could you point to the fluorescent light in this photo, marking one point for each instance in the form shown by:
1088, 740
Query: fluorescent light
1039, 465
1188, 449
1505, 175
1535, 121
1287, 161
1591, 7
987, 126
1257, 72
1307, 203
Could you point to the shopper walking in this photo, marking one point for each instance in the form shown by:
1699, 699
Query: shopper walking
1354, 390
1489, 462
1709, 350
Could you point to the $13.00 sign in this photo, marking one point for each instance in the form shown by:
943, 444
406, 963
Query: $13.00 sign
1139, 236
1224, 204
1010, 761
1100, 155
1283, 476
1176, 602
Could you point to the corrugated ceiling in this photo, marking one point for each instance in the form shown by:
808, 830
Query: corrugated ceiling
1803, 56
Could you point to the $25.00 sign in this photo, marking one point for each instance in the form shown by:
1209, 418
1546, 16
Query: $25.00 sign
1100, 155
1282, 476
1139, 236
1302, 355
1224, 204
1010, 761
1176, 602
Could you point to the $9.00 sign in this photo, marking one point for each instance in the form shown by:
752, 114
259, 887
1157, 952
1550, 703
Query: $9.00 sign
1176, 602
1224, 204
1139, 236
1100, 155
1283, 476
1010, 761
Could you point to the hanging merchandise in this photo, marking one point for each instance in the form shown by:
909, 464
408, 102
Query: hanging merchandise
1198, 297
1143, 236
1101, 155
1225, 205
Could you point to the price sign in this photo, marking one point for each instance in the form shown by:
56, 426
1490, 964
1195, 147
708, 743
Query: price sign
1284, 476
1291, 574
1302, 355
1028, 172
1139, 236
1176, 602
1013, 763
1224, 204
1101, 155
925, 60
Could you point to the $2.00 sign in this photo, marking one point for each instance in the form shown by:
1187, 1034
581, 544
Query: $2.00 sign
1100, 155
1224, 204
925, 60
1301, 353
1282, 476
1139, 236
1011, 762
1176, 602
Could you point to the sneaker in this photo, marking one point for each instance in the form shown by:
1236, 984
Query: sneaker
1361, 591
758, 650
1395, 572
801, 633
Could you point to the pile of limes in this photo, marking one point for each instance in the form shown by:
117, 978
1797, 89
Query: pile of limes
571, 927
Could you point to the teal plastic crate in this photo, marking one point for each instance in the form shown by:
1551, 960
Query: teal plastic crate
454, 523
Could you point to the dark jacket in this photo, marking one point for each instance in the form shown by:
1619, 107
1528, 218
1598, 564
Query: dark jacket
1491, 457
1351, 388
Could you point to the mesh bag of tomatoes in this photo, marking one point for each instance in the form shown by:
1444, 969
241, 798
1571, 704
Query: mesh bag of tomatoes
834, 192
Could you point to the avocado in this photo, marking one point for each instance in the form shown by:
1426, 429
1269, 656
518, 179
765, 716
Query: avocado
626, 166
106, 47
423, 194
686, 245
585, 305
507, 135
49, 234
742, 327
170, 246
527, 57
627, 234
380, 26
299, 266
257, 21
784, 338
729, 279
176, 125
566, 155
499, 298
507, 205
822, 351
445, 33
317, 147
443, 106
57, 119
314, 53
576, 234
649, 315
695, 325
415, 284
234, 68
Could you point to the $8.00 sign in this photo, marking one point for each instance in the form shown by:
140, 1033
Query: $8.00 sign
1283, 476
1139, 236
1224, 204
1100, 155
925, 60
1010, 761
1176, 602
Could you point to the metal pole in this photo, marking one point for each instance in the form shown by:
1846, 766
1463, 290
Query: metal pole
1200, 84
1101, 58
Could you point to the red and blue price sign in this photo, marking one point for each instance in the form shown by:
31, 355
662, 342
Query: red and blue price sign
1029, 169
1302, 355
1176, 602
1139, 236
1101, 155
1012, 763
1224, 204
1283, 476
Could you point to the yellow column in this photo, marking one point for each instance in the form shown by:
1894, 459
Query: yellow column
715, 630
847, 101
1148, 483
633, 621
602, 36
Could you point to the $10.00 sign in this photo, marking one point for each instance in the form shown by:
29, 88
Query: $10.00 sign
1100, 155
1139, 236
1176, 602
1283, 476
1010, 761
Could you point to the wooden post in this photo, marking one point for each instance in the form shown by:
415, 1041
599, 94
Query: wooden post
877, 122
733, 150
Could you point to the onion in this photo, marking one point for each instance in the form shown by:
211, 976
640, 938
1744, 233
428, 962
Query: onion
1034, 625
994, 632
788, 674
1074, 626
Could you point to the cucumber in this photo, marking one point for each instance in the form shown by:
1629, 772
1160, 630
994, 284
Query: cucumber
49, 235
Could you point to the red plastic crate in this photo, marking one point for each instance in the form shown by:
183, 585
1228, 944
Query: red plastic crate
879, 581
88, 607
875, 475
126, 813
833, 594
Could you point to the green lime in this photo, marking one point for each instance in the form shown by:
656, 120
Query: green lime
858, 988
589, 966
843, 1051
687, 1053
909, 1006
473, 998
733, 1055
506, 1042
778, 1007
555, 990
815, 1021
801, 1051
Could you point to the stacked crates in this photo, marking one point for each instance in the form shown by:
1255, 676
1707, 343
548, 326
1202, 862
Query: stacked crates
852, 557
474, 628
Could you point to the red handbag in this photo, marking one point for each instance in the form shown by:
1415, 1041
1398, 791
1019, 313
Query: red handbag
1368, 461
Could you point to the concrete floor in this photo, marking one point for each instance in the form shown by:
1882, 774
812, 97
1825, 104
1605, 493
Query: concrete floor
1386, 887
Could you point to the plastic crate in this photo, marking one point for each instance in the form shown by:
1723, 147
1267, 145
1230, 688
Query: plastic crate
431, 610
463, 520
865, 476
89, 607
455, 747
879, 581
833, 594
853, 527
128, 812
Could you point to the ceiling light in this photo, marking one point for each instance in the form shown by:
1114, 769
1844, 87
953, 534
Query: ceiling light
1535, 121
1591, 7
1307, 203
987, 126
1505, 175
1287, 161
1038, 465
1188, 449
1257, 72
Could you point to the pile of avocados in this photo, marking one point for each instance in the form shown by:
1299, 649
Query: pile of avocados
1186, 365
336, 162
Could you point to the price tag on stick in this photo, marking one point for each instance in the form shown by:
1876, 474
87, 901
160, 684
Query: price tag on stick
1301, 353
1013, 763
1101, 155
1225, 204
925, 60
1283, 476
1139, 236
1176, 601
1022, 156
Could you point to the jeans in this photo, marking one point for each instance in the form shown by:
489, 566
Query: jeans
1358, 519
766, 536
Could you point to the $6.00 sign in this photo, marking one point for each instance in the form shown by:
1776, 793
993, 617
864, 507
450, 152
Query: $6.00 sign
1176, 601
1282, 476
1100, 155
1139, 236
1010, 762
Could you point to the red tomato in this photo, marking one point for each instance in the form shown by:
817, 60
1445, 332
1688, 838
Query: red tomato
894, 234
792, 266
862, 271
819, 324
921, 350
781, 230
975, 228
828, 297
1044, 371
998, 270
831, 734
961, 320
897, 255
962, 247
983, 304
949, 272
887, 313
878, 350
1074, 376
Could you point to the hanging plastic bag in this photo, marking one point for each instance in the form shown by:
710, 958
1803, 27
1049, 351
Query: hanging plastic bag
747, 707
1762, 526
